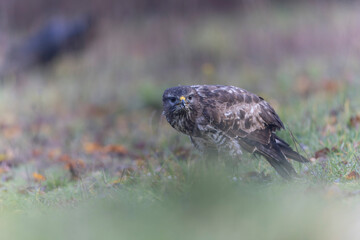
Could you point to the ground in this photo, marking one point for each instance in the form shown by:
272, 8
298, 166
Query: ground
86, 154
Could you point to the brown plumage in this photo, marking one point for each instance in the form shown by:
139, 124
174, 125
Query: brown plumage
229, 119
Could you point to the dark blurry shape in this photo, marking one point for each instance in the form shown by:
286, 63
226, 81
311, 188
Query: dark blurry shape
22, 13
57, 36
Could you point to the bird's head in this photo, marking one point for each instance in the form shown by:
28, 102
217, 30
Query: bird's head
179, 101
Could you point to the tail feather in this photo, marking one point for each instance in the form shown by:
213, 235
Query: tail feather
277, 160
276, 152
288, 152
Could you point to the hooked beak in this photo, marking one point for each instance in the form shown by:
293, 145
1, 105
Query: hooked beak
182, 99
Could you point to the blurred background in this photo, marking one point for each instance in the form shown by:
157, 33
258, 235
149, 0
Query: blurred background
251, 44
80, 116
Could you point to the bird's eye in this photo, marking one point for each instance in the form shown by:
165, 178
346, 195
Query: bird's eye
172, 100
190, 98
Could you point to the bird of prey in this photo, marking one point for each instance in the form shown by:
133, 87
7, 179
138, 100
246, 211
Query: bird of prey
228, 119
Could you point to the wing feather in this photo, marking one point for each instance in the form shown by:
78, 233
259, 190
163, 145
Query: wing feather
237, 111
250, 120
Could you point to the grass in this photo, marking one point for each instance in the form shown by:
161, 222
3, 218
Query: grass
205, 205
114, 168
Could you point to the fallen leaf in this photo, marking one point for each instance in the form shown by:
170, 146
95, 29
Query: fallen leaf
352, 175
3, 170
331, 86
118, 149
117, 181
97, 111
354, 121
38, 177
54, 153
72, 165
11, 132
322, 153
182, 153
90, 148
80, 163
36, 152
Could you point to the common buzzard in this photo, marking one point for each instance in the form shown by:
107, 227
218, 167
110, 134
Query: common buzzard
228, 119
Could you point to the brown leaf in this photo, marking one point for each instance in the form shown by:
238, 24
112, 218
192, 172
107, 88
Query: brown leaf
182, 153
11, 132
3, 170
322, 153
73, 165
70, 161
352, 175
91, 148
354, 121
36, 152
54, 153
97, 111
65, 158
331, 86
38, 177
118, 149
